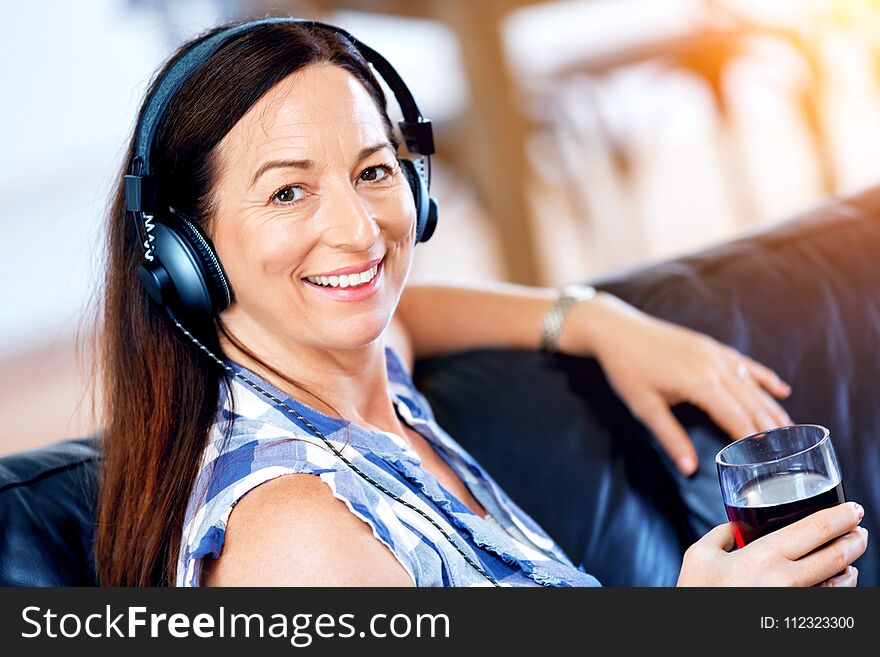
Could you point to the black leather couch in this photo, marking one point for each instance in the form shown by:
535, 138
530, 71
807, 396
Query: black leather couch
802, 296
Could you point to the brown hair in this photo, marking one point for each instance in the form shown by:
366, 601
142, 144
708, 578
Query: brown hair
159, 392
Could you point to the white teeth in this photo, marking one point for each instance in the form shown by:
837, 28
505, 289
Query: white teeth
346, 280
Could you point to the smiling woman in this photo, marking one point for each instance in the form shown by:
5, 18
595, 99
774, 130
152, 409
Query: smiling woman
261, 429
275, 156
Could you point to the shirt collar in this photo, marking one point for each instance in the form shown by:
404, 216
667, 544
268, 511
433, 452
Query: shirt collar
251, 405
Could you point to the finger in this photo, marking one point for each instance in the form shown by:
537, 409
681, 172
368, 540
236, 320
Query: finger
746, 394
721, 537
805, 535
848, 578
655, 414
832, 559
780, 417
767, 377
725, 411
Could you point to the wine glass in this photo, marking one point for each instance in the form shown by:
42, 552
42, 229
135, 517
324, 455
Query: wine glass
776, 477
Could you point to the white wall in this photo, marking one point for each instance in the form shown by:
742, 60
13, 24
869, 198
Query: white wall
73, 75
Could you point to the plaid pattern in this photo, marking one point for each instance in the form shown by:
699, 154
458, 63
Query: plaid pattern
266, 441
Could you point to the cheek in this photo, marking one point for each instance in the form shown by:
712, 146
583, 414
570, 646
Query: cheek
281, 251
254, 261
398, 215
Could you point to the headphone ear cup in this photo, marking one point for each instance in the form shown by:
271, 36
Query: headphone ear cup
188, 275
426, 207
218, 282
431, 222
156, 282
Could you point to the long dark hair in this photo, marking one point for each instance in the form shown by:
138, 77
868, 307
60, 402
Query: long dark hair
160, 393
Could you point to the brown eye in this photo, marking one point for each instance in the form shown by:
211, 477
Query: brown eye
375, 174
287, 195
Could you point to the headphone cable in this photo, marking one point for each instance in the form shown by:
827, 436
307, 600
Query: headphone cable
332, 447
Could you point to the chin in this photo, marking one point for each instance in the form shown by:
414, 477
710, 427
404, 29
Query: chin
356, 332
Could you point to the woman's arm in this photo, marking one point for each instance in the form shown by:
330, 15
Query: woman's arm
440, 319
651, 364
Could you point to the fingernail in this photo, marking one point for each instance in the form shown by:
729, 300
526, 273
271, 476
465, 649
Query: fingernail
686, 465
860, 511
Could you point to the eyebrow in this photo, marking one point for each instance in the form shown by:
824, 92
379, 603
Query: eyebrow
308, 164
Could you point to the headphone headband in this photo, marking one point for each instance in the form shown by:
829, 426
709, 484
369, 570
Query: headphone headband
416, 130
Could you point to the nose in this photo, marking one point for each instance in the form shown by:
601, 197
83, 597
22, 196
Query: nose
350, 224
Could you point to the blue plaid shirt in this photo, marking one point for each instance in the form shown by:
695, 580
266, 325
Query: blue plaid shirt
507, 543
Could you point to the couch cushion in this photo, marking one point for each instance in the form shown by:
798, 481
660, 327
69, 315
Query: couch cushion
46, 512
553, 434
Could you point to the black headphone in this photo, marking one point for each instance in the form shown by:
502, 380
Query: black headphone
180, 267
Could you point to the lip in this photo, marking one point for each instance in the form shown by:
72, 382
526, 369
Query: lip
357, 293
354, 269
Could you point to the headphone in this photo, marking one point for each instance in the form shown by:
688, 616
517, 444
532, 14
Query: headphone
180, 268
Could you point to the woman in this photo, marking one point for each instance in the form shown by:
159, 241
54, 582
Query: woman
308, 457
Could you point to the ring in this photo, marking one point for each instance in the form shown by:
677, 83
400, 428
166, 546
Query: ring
742, 372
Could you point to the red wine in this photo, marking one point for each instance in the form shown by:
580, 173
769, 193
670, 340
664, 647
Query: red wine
772, 502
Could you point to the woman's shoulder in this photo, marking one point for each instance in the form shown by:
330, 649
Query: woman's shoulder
293, 531
249, 444
279, 508
263, 477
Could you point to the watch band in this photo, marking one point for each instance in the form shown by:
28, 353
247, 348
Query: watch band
554, 318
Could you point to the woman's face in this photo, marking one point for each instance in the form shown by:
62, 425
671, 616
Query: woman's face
308, 184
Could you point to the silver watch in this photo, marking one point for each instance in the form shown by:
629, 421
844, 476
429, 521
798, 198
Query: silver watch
554, 318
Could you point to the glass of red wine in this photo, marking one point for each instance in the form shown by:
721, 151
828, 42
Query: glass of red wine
776, 477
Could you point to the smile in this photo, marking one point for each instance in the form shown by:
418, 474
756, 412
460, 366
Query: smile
348, 287
345, 280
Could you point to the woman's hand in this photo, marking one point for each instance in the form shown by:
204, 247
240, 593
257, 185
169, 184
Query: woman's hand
653, 364
785, 557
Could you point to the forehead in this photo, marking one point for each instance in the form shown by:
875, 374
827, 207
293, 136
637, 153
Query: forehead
314, 110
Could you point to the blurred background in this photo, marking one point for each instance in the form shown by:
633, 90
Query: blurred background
574, 138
